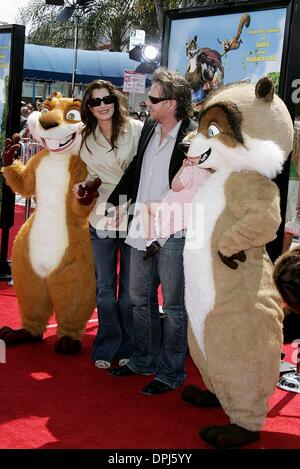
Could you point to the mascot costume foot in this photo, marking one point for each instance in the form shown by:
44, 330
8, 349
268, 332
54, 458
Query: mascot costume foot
52, 263
245, 134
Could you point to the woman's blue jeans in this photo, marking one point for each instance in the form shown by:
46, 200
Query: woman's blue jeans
114, 336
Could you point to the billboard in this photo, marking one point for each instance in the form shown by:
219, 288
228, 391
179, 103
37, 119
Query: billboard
12, 39
222, 49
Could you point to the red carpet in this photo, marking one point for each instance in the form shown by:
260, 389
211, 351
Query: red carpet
54, 401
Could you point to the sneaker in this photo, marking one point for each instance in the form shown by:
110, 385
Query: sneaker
123, 361
102, 364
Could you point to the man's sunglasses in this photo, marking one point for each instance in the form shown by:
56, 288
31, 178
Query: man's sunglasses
154, 100
94, 102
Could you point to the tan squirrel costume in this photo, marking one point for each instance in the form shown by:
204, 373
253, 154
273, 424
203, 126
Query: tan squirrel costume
52, 264
235, 320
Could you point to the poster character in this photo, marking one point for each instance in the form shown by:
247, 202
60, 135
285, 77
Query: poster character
205, 71
235, 42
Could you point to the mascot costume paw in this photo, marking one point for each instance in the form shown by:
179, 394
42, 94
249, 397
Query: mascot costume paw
52, 263
235, 320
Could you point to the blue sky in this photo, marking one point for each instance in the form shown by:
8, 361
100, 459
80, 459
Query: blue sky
9, 9
209, 29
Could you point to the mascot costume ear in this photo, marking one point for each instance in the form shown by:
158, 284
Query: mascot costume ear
235, 320
52, 263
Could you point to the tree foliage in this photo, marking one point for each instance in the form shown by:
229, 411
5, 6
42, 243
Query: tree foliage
109, 24
102, 23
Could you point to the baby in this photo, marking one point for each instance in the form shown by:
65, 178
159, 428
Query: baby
162, 219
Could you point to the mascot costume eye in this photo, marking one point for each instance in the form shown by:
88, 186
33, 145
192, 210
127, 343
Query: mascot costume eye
235, 320
52, 263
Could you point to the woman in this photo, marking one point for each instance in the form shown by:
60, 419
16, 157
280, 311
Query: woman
109, 142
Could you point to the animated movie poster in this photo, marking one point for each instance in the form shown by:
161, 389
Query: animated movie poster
222, 49
214, 50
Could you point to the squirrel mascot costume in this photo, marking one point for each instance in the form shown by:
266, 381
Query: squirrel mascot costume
52, 263
245, 134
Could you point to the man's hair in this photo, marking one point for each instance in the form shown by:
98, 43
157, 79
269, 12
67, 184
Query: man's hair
176, 87
286, 276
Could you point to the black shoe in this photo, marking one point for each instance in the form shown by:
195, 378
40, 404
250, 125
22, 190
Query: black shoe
121, 371
151, 250
156, 387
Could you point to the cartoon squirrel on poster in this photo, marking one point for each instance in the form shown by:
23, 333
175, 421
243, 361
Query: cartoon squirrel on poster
235, 42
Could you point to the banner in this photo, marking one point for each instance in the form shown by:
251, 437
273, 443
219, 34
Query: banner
134, 82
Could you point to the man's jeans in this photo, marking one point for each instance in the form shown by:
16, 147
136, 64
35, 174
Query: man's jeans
114, 336
152, 353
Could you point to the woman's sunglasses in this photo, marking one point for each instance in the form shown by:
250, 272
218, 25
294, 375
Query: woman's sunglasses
154, 100
94, 102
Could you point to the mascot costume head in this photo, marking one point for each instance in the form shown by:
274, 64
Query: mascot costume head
52, 262
245, 134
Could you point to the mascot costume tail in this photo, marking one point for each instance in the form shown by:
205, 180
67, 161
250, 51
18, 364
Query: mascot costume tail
52, 264
245, 134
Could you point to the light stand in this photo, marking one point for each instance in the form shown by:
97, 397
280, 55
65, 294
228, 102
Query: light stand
65, 15
75, 55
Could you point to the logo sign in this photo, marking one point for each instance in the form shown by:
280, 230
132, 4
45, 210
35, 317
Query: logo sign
137, 38
134, 82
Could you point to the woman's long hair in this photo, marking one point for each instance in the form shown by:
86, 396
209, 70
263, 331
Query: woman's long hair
119, 118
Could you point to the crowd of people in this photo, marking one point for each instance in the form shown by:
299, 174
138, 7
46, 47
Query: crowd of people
26, 110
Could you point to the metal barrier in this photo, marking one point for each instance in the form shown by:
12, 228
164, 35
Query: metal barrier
28, 148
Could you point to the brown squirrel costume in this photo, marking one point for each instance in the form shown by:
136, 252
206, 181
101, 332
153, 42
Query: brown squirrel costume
235, 319
52, 263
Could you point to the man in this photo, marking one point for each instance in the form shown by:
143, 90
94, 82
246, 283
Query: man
148, 178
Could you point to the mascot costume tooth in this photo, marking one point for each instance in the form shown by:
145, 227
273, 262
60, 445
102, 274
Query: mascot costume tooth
245, 134
52, 263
